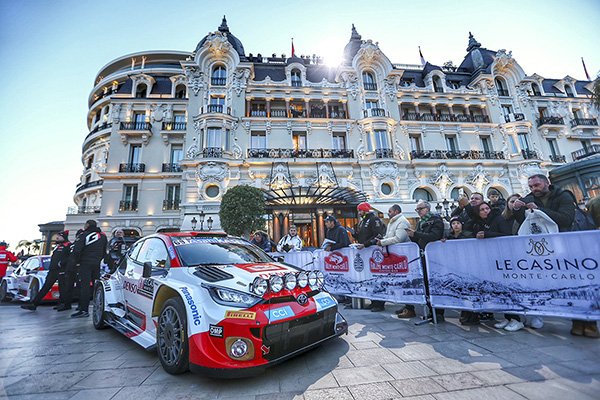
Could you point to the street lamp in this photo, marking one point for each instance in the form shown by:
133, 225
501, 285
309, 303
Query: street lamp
209, 223
438, 208
201, 220
445, 203
194, 222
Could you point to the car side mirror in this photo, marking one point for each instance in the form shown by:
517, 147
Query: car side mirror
279, 258
147, 269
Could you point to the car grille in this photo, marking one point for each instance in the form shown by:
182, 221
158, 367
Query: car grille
286, 337
212, 274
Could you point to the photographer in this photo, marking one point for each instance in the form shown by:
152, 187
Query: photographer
290, 242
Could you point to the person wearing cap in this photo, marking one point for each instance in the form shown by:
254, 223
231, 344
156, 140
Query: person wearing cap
291, 241
336, 233
58, 261
5, 257
370, 227
457, 231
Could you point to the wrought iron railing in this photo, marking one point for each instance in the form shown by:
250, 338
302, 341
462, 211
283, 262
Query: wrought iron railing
445, 117
171, 204
89, 185
586, 152
171, 167
530, 154
135, 126
583, 121
174, 126
129, 167
384, 153
558, 159
550, 121
457, 154
370, 86
128, 205
300, 153
212, 152
374, 112
502, 92
218, 81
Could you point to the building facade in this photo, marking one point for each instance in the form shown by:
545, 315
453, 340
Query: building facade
170, 132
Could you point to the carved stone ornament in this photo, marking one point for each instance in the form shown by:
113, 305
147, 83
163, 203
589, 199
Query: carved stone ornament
478, 178
288, 126
195, 79
443, 179
217, 44
526, 170
490, 91
503, 60
246, 125
240, 80
192, 152
280, 178
349, 127
390, 85
116, 112
323, 176
268, 127
369, 51
350, 81
523, 89
212, 171
385, 170
360, 150
309, 127
399, 150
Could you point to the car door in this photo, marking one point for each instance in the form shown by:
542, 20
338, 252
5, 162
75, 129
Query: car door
28, 272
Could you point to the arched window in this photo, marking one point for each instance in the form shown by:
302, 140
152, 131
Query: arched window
457, 190
569, 91
501, 87
437, 84
296, 80
536, 89
219, 76
141, 91
422, 194
180, 91
369, 81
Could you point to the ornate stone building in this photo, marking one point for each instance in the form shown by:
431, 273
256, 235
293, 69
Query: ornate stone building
170, 132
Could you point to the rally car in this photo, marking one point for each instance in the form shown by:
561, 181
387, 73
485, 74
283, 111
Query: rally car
215, 304
25, 281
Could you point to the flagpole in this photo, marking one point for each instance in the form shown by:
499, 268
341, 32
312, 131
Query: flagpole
585, 69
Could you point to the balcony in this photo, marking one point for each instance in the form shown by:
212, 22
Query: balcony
445, 117
586, 152
89, 185
300, 153
216, 108
457, 154
502, 92
550, 121
129, 167
514, 117
212, 152
135, 126
218, 81
370, 86
171, 204
530, 154
480, 118
171, 167
100, 127
174, 126
278, 113
558, 159
375, 112
258, 113
384, 153
584, 121
128, 205
84, 210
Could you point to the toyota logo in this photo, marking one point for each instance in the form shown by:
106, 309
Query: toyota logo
302, 299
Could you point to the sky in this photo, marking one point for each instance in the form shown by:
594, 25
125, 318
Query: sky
51, 51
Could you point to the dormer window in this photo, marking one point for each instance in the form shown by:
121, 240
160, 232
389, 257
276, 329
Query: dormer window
535, 89
437, 85
369, 81
296, 80
569, 91
180, 91
141, 91
501, 87
219, 76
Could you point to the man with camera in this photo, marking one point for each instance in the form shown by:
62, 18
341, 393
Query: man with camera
291, 241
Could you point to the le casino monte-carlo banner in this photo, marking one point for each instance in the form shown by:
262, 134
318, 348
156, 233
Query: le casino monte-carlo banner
548, 274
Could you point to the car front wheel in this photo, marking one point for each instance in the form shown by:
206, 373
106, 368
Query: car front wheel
172, 341
4, 292
35, 289
98, 310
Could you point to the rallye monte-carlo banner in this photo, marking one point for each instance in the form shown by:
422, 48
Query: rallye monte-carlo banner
392, 273
547, 274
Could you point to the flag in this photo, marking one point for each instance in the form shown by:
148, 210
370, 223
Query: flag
585, 69
422, 58
293, 51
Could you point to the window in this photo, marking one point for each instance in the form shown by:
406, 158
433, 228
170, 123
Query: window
451, 143
296, 80
213, 137
176, 153
535, 89
219, 76
542, 112
415, 143
173, 197
372, 104
212, 191
299, 139
155, 252
523, 141
586, 143
130, 195
506, 111
141, 91
569, 91
369, 81
422, 194
437, 84
553, 148
386, 188
135, 153
180, 91
513, 144
380, 139
339, 141
486, 143
258, 140
501, 87
140, 121
90, 161
227, 140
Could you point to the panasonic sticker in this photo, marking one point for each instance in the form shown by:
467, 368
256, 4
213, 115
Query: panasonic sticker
280, 313
323, 301
192, 305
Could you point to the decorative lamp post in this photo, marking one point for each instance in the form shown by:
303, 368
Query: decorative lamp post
201, 216
446, 203
438, 208
209, 223
194, 222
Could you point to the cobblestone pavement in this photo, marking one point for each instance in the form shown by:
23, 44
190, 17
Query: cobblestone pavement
46, 352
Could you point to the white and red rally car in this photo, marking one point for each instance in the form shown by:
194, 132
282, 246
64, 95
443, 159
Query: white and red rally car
25, 281
215, 304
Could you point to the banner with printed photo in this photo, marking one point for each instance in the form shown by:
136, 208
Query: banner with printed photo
392, 273
548, 274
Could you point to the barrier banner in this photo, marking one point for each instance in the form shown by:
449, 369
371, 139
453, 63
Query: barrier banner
548, 274
392, 273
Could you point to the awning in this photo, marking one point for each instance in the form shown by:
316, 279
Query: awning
313, 195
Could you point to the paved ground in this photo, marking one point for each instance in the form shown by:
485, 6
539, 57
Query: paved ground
46, 352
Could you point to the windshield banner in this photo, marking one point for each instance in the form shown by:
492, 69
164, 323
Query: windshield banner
392, 273
547, 274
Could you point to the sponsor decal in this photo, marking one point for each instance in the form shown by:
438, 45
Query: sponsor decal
91, 238
302, 299
171, 252
280, 313
265, 349
392, 264
146, 287
181, 241
359, 265
336, 262
215, 331
130, 287
324, 301
193, 307
240, 314
261, 268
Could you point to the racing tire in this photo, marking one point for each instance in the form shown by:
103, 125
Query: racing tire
98, 314
35, 289
171, 337
4, 296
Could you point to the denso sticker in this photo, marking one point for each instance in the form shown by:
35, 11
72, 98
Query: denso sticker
323, 301
280, 313
215, 331
240, 314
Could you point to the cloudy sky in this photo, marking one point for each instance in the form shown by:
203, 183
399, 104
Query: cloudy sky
51, 51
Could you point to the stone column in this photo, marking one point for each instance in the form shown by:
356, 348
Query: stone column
321, 224
268, 108
287, 110
307, 107
326, 108
248, 107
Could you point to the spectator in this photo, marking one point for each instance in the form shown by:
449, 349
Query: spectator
429, 229
396, 230
5, 257
465, 209
70, 277
291, 241
261, 239
593, 206
488, 224
88, 253
336, 233
509, 215
496, 202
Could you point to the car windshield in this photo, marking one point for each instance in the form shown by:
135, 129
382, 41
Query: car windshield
215, 251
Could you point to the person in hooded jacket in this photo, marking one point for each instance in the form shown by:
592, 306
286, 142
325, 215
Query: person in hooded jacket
58, 262
496, 202
336, 233
488, 224
261, 239
5, 257
88, 253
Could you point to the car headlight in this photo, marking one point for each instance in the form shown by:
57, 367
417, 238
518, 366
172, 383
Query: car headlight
320, 279
229, 297
290, 281
259, 286
312, 278
276, 283
302, 279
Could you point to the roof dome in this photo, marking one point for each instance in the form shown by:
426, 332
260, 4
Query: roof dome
294, 59
235, 42
352, 47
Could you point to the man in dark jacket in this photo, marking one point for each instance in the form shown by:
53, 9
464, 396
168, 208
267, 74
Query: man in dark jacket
336, 233
88, 252
70, 277
370, 227
58, 263
556, 203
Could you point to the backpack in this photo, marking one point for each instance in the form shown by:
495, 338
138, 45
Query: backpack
583, 221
